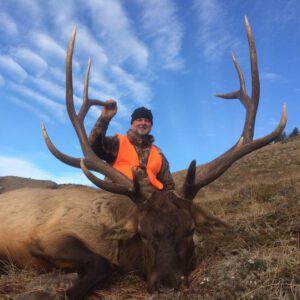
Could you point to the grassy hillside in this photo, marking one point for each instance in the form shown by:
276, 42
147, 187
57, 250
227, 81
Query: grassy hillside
10, 183
260, 259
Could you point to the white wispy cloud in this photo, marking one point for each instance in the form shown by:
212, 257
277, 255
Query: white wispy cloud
18, 166
100, 65
11, 68
121, 41
51, 88
57, 73
65, 17
214, 35
2, 80
55, 108
101, 87
111, 40
161, 24
138, 90
31, 61
94, 50
8, 25
29, 10
39, 113
288, 12
57, 89
50, 48
272, 77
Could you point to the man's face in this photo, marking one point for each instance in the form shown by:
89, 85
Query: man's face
141, 126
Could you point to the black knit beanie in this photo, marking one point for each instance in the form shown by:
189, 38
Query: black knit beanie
142, 112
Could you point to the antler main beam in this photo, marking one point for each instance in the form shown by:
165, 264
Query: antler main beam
209, 172
119, 184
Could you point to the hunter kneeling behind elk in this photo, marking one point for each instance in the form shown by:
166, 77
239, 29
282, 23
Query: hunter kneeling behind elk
134, 150
86, 231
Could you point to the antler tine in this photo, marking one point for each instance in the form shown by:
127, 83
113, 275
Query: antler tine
212, 170
69, 79
71, 161
87, 103
248, 131
241, 94
76, 121
105, 185
254, 65
120, 183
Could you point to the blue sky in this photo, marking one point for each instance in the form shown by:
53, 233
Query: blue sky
171, 56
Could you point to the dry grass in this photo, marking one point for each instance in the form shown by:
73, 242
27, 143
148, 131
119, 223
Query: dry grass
261, 260
260, 198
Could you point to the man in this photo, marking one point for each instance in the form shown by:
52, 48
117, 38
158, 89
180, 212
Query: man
135, 149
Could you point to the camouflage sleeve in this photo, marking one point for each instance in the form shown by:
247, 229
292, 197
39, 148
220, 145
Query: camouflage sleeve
165, 175
105, 147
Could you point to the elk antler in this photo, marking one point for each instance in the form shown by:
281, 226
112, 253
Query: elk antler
120, 183
196, 179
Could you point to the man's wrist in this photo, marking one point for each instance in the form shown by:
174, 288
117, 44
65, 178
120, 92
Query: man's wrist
102, 122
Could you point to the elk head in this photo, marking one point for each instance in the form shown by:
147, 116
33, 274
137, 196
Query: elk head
165, 221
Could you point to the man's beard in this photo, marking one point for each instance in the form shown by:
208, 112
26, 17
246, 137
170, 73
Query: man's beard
142, 131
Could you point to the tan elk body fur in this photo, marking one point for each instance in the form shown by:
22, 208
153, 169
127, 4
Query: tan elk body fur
41, 217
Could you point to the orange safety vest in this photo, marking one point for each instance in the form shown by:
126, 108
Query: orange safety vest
127, 158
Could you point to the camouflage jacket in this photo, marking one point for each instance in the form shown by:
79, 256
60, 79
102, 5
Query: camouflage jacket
107, 147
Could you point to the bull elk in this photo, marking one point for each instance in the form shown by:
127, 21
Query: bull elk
87, 231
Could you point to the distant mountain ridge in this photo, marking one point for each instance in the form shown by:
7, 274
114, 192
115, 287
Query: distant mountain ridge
10, 183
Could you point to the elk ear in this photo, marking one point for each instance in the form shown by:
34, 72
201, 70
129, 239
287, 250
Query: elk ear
123, 230
204, 221
189, 190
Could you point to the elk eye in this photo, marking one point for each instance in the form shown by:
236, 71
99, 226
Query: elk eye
190, 232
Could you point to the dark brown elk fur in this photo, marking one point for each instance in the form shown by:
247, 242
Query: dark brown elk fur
88, 231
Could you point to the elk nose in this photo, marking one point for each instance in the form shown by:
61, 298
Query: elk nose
167, 284
165, 290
